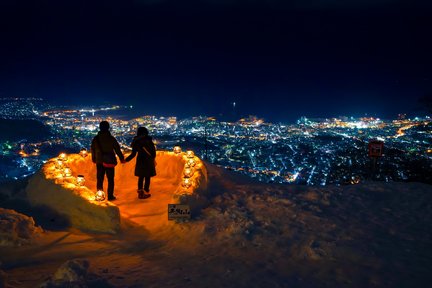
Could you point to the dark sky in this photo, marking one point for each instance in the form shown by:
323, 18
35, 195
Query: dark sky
279, 61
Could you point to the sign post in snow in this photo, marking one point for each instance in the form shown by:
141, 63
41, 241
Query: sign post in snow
375, 150
178, 211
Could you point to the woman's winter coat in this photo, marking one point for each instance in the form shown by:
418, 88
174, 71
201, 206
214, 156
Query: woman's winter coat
145, 162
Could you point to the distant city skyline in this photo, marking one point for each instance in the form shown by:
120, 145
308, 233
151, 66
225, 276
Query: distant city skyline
231, 115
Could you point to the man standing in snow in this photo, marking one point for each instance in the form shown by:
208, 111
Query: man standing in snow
103, 149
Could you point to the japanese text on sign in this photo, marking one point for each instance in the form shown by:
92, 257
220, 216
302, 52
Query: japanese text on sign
178, 211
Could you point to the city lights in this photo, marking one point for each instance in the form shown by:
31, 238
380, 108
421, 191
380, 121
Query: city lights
312, 152
59, 163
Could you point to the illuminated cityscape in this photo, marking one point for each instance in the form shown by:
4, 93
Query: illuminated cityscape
310, 152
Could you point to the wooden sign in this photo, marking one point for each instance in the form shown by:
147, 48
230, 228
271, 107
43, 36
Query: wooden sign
178, 211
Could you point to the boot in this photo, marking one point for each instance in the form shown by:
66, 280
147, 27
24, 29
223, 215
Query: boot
147, 192
140, 193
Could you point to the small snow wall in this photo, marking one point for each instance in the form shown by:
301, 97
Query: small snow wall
52, 188
76, 204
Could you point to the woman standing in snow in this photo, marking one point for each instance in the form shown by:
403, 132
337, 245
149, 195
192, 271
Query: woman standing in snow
145, 162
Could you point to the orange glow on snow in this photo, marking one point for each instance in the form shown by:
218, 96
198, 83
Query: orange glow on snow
175, 179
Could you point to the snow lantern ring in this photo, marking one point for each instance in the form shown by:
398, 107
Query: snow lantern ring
59, 163
83, 152
177, 150
187, 182
100, 195
80, 180
67, 172
188, 172
63, 157
190, 154
190, 163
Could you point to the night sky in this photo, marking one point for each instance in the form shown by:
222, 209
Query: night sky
278, 61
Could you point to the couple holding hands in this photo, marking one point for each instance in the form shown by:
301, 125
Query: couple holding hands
104, 148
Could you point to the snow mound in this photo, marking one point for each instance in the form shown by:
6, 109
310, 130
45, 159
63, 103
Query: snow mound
81, 212
74, 273
16, 229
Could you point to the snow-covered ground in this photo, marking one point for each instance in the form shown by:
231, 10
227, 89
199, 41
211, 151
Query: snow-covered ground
250, 235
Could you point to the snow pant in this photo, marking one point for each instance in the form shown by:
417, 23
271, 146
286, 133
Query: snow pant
100, 175
141, 183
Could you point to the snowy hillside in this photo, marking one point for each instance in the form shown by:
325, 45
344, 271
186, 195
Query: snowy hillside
250, 235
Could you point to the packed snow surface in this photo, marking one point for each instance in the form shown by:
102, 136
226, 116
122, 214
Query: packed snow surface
250, 234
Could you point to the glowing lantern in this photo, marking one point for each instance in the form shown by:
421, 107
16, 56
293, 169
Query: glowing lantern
100, 195
177, 149
83, 152
80, 180
67, 172
190, 163
59, 164
188, 172
186, 182
190, 154
62, 156
59, 177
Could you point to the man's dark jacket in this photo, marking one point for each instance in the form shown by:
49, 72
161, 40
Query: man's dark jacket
105, 141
